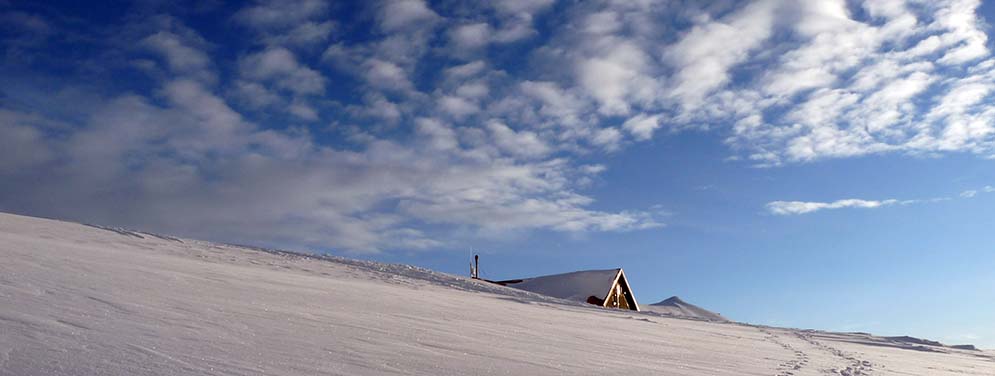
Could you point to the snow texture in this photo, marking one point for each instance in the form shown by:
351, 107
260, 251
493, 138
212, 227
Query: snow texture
85, 300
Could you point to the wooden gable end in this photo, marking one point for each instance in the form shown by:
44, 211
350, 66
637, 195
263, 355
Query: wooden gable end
620, 295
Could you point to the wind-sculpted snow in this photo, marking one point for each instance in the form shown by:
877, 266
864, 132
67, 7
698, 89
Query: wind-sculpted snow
90, 300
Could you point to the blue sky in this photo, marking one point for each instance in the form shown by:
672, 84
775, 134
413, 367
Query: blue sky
809, 164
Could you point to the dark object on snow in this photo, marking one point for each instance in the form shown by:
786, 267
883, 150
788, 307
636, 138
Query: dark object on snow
475, 267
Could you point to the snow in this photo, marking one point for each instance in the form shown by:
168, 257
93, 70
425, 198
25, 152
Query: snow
674, 306
83, 300
574, 286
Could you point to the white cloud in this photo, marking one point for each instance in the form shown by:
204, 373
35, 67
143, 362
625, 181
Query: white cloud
553, 107
615, 75
961, 97
704, 56
602, 23
963, 31
254, 94
280, 67
457, 107
491, 146
436, 135
227, 179
854, 88
386, 75
522, 143
277, 14
517, 7
788, 82
476, 90
517, 17
642, 126
400, 14
465, 70
305, 34
379, 107
303, 111
470, 36
607, 138
181, 56
803, 207
278, 25
22, 146
211, 111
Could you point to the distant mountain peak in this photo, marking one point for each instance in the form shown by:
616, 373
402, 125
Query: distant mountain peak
673, 300
675, 306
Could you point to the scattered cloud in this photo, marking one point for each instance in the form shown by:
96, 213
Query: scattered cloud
417, 120
642, 126
275, 14
470, 36
280, 67
704, 57
803, 207
182, 58
187, 162
386, 75
301, 25
26, 22
23, 146
971, 193
400, 14
523, 143
221, 177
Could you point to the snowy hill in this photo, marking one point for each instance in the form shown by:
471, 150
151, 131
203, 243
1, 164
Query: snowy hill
674, 306
85, 300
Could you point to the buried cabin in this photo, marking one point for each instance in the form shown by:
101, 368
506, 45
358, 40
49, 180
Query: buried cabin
605, 288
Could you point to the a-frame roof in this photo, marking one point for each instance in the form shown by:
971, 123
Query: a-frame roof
624, 282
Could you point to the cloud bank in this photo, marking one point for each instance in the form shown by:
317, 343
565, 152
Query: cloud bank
404, 124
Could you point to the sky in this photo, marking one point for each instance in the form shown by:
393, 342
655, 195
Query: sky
821, 164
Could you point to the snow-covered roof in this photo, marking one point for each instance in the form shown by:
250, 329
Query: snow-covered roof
576, 286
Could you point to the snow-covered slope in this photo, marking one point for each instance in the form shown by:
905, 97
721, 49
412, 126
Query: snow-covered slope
82, 300
674, 306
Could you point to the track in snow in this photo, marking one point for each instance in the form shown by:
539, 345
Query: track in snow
853, 367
